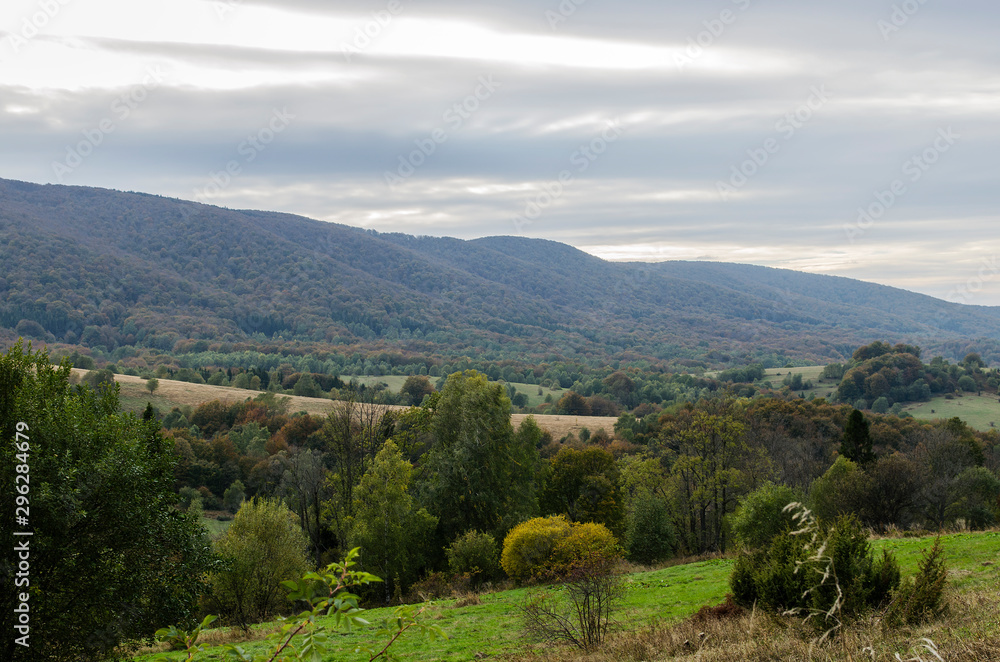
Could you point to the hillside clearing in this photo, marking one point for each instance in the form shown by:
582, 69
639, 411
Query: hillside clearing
172, 393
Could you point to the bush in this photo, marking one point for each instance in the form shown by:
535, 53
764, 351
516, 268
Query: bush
831, 571
549, 546
761, 517
921, 598
528, 546
650, 535
474, 554
261, 548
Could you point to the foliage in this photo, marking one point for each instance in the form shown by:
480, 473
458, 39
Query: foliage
857, 444
761, 516
921, 598
547, 546
474, 553
480, 474
261, 548
302, 637
110, 557
585, 485
529, 545
388, 523
650, 535
593, 588
842, 490
830, 572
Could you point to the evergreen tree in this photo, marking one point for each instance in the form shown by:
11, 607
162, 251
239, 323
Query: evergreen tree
857, 443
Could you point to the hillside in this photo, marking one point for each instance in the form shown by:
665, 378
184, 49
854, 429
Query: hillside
110, 269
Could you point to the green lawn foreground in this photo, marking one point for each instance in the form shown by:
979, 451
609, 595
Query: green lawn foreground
665, 595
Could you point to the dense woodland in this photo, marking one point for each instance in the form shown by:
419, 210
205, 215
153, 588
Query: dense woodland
132, 277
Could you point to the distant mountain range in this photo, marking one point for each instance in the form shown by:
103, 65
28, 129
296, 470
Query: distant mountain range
108, 269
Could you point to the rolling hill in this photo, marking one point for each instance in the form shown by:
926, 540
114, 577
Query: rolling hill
110, 269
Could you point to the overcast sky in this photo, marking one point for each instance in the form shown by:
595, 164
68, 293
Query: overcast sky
856, 138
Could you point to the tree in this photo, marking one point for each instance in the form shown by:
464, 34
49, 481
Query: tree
573, 404
480, 473
391, 532
707, 470
261, 548
586, 486
761, 516
111, 559
152, 384
416, 388
857, 443
233, 497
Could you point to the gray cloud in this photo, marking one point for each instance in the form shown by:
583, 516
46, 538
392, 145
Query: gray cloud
653, 193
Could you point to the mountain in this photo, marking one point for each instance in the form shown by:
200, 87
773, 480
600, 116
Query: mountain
112, 269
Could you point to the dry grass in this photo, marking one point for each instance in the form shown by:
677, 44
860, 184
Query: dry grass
186, 393
970, 633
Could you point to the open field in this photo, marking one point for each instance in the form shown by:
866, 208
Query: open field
979, 411
172, 393
655, 597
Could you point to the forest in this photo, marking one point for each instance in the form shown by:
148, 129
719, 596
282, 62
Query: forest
441, 493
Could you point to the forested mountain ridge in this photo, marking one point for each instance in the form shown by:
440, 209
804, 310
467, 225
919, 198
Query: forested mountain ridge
107, 269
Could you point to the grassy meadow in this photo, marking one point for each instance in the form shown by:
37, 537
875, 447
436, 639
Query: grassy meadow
651, 620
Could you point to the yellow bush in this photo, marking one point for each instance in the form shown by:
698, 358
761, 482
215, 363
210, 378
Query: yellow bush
552, 544
529, 545
584, 540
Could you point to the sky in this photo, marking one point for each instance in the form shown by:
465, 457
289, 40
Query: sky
856, 138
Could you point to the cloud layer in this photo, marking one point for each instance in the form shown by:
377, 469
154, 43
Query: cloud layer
855, 139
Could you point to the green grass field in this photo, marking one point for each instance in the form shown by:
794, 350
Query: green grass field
979, 411
669, 594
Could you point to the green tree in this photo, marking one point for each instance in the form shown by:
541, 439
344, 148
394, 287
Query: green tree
573, 404
709, 477
233, 497
586, 486
842, 490
262, 548
415, 389
761, 516
857, 443
152, 384
391, 531
111, 559
650, 535
480, 473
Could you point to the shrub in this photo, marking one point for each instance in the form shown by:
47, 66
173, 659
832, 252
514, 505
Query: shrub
761, 516
549, 546
921, 598
593, 589
650, 535
528, 546
831, 572
475, 554
261, 548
